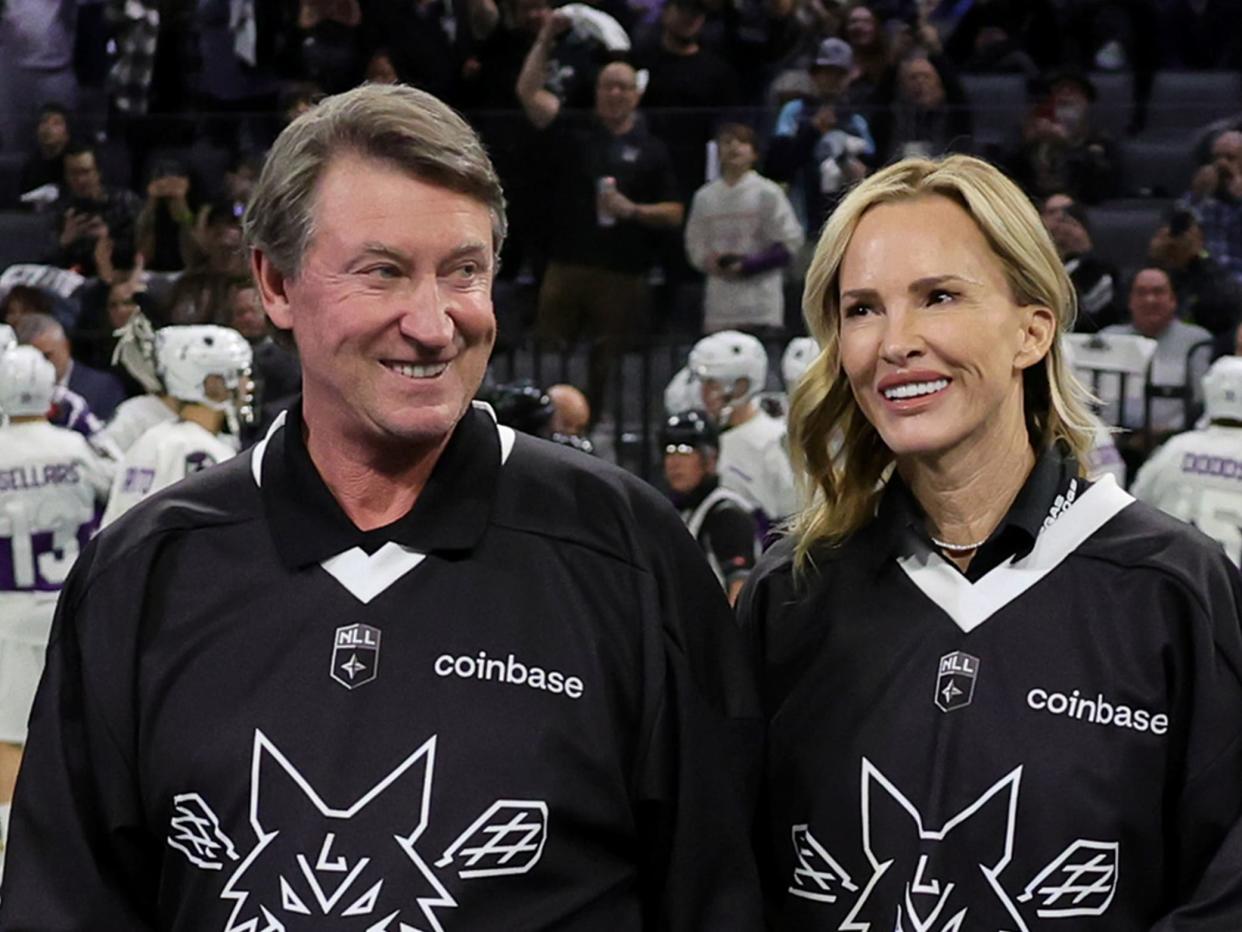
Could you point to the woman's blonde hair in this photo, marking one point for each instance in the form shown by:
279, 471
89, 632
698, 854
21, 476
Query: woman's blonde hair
843, 486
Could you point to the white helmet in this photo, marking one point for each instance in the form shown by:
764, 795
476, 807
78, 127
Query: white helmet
1222, 389
797, 359
7, 337
187, 355
27, 381
728, 356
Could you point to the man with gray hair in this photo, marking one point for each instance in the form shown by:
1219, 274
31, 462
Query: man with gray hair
441, 676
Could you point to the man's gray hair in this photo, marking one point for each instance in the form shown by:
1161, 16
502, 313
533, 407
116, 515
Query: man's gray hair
33, 324
405, 127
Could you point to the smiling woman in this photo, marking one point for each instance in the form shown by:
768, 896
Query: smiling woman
954, 560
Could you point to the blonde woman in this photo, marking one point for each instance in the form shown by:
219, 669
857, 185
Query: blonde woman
1000, 696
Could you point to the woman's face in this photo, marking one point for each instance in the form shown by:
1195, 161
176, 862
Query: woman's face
860, 27
921, 84
932, 342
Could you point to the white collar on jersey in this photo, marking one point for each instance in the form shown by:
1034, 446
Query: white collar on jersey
971, 604
364, 575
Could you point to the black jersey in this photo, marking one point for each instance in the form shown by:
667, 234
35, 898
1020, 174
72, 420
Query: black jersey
725, 527
1053, 743
523, 706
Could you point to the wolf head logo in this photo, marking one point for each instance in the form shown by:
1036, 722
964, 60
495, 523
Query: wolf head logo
936, 880
315, 866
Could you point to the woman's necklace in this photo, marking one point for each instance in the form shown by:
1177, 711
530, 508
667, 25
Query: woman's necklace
958, 548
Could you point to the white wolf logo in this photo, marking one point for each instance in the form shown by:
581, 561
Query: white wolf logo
913, 887
317, 867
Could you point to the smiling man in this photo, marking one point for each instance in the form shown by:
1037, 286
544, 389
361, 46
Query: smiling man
442, 677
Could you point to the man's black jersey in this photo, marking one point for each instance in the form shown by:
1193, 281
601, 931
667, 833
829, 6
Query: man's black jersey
1052, 741
523, 706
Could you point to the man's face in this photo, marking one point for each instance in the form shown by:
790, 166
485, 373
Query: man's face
860, 27
830, 83
82, 176
392, 309
1227, 152
247, 316
616, 93
1068, 235
55, 347
52, 132
686, 468
528, 15
683, 22
222, 244
1152, 302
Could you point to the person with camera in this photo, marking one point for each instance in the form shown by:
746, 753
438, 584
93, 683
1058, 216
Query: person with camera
1208, 293
1216, 196
166, 221
89, 211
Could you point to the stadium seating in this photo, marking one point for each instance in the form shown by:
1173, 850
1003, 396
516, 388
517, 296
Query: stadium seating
1155, 169
24, 237
1182, 101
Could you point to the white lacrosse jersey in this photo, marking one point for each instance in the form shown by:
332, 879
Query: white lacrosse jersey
1197, 477
754, 463
133, 418
165, 454
50, 481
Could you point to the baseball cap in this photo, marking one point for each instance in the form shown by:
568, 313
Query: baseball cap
834, 53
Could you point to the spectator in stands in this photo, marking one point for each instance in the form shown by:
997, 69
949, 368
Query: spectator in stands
571, 416
1153, 314
380, 69
297, 98
687, 83
1201, 35
89, 209
216, 243
872, 57
613, 185
37, 39
103, 391
1096, 282
239, 180
924, 113
22, 300
741, 232
504, 33
277, 372
1061, 151
821, 145
425, 42
1006, 36
46, 165
166, 222
1216, 197
1207, 294
329, 37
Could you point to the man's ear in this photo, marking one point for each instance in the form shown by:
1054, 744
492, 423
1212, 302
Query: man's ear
271, 283
1039, 329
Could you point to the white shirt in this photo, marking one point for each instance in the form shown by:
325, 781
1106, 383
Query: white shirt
133, 418
741, 219
50, 481
755, 464
165, 454
1197, 477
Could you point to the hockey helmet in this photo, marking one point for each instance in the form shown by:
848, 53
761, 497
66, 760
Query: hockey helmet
797, 359
522, 405
189, 355
727, 357
688, 429
27, 381
683, 392
1222, 390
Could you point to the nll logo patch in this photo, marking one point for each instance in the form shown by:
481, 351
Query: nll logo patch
355, 655
955, 683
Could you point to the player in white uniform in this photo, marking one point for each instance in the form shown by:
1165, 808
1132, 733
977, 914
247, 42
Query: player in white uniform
732, 368
50, 482
1197, 476
206, 369
135, 350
